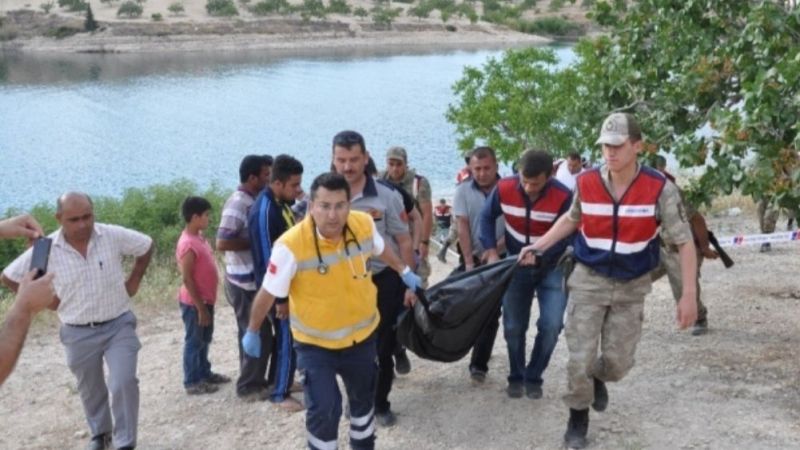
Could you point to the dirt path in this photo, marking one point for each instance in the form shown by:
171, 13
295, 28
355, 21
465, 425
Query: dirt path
737, 387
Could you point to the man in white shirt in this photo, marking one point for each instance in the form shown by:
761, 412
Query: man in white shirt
567, 170
93, 297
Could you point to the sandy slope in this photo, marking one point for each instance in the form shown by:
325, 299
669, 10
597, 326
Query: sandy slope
737, 387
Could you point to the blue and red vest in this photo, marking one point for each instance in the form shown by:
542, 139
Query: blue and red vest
526, 220
619, 239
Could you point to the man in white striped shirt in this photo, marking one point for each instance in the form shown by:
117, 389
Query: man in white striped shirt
93, 297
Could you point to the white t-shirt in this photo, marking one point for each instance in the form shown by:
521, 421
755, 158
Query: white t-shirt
566, 177
282, 265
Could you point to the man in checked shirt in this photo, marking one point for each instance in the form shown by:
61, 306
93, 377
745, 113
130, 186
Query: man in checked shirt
93, 297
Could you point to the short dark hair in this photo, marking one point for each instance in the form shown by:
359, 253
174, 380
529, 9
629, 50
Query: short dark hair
251, 165
194, 206
285, 167
482, 152
575, 156
348, 139
332, 182
371, 169
533, 163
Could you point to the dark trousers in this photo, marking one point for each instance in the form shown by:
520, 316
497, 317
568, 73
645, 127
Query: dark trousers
482, 350
391, 291
282, 362
197, 340
252, 371
323, 400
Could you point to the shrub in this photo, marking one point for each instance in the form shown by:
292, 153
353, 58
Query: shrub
73, 5
130, 9
176, 8
360, 12
312, 8
421, 11
221, 8
157, 17
339, 7
385, 16
556, 5
61, 32
154, 210
46, 7
266, 7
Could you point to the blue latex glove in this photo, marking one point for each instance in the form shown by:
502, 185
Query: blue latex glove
251, 343
412, 280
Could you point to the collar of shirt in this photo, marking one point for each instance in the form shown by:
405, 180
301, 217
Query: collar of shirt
541, 193
60, 241
605, 174
242, 189
474, 184
369, 190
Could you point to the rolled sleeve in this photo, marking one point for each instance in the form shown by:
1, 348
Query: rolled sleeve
574, 213
280, 271
675, 227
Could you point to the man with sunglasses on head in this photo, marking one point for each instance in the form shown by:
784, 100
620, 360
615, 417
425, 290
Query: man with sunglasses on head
323, 265
385, 205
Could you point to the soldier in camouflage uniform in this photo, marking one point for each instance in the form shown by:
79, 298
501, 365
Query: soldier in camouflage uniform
398, 173
615, 249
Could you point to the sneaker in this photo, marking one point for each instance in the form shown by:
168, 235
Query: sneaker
477, 376
290, 405
533, 391
515, 389
600, 402
700, 327
577, 428
217, 378
386, 419
201, 388
259, 395
401, 363
765, 247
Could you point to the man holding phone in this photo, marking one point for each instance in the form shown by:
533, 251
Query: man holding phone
32, 297
93, 296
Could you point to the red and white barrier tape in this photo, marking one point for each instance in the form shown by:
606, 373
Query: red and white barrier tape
758, 239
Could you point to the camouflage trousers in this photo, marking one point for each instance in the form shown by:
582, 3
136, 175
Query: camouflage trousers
670, 265
767, 216
603, 326
424, 271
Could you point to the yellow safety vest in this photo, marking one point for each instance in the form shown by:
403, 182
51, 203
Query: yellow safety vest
339, 308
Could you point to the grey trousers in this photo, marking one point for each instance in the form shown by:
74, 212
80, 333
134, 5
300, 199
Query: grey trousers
86, 348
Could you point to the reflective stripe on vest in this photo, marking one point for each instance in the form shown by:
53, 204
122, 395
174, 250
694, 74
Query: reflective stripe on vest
332, 335
526, 222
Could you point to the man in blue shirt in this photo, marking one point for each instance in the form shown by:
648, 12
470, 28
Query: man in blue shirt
269, 217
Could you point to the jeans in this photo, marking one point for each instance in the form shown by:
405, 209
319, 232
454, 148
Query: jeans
196, 367
547, 284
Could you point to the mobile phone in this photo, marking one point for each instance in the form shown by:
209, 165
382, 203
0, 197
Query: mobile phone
41, 254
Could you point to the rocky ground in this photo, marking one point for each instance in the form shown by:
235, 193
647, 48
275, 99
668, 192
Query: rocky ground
737, 387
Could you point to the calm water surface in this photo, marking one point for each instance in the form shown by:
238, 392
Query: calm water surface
102, 123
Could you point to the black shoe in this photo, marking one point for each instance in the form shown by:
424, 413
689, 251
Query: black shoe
700, 327
217, 378
515, 389
533, 391
442, 254
401, 363
600, 396
766, 247
100, 442
386, 419
577, 427
477, 376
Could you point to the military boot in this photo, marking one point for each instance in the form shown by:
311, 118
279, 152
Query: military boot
442, 254
600, 402
577, 427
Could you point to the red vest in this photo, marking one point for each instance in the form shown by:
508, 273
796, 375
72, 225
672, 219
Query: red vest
527, 223
619, 239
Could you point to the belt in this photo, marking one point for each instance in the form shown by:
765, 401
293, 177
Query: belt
89, 324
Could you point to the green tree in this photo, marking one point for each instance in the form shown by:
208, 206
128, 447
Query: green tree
714, 83
385, 16
221, 8
420, 11
339, 7
360, 12
89, 24
46, 7
512, 104
312, 9
176, 8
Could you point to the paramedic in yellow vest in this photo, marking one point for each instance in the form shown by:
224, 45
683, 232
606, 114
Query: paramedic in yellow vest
322, 265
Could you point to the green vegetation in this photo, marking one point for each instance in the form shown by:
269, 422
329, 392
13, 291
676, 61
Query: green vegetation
360, 12
339, 7
154, 210
554, 26
89, 24
61, 32
176, 8
73, 5
221, 8
385, 16
156, 17
311, 9
47, 7
266, 7
130, 9
728, 68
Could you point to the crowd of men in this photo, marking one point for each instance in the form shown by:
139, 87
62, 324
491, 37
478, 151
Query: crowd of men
318, 280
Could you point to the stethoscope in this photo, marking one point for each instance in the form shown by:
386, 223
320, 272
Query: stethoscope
323, 268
